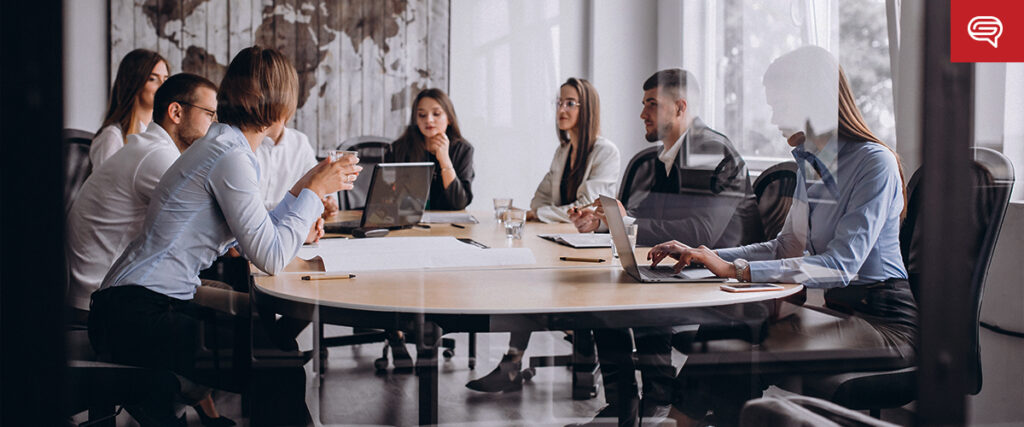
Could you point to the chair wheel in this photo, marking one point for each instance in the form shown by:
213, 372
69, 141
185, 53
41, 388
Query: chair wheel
381, 364
447, 353
472, 363
529, 373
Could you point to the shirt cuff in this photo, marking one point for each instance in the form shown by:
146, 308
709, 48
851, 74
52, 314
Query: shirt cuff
729, 254
308, 203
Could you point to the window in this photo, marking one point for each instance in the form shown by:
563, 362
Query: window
747, 35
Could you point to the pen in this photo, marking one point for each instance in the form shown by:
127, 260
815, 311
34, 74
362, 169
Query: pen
458, 226
572, 258
423, 226
329, 277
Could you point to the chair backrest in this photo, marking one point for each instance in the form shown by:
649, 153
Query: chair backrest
372, 150
774, 192
630, 174
77, 166
993, 178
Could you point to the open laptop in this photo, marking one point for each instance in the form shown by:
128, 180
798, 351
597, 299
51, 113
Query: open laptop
396, 198
644, 273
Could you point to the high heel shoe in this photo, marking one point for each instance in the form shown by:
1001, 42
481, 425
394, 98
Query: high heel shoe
506, 377
208, 421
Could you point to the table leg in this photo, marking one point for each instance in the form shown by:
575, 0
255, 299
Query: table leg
428, 337
584, 366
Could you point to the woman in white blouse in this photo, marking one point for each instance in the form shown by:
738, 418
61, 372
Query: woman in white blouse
585, 166
131, 102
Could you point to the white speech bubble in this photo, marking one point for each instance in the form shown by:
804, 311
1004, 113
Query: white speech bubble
985, 29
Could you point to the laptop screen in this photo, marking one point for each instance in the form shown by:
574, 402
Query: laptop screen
398, 194
617, 228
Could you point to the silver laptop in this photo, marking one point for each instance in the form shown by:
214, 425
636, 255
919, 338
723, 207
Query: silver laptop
644, 273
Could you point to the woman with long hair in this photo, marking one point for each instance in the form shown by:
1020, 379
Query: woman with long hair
207, 202
131, 102
841, 235
585, 166
433, 135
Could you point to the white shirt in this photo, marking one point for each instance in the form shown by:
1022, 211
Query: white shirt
106, 143
282, 164
206, 201
108, 212
668, 157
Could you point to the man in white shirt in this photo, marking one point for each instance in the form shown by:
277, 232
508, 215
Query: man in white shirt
110, 209
283, 159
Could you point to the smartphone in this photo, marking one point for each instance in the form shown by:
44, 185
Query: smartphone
750, 287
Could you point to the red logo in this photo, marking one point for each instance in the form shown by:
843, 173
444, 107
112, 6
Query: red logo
986, 31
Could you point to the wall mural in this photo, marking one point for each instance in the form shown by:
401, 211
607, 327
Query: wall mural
360, 62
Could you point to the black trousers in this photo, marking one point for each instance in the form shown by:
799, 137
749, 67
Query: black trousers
654, 360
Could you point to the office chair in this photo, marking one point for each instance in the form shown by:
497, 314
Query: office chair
774, 192
874, 391
641, 158
372, 150
77, 166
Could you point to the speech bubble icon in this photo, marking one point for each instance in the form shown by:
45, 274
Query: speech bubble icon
985, 29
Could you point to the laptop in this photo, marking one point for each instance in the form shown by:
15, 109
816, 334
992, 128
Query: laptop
644, 273
396, 198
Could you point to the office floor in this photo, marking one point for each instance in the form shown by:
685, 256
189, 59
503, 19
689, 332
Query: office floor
352, 393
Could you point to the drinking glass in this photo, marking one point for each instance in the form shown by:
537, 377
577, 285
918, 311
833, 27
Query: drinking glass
336, 155
631, 234
501, 204
514, 220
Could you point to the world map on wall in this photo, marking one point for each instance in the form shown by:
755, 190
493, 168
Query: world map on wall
359, 61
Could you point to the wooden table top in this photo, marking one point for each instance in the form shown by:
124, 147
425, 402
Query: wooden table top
550, 286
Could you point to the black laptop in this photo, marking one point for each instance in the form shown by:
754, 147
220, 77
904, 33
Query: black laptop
398, 193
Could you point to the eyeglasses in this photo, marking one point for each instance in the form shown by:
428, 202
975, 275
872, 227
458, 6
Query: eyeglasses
213, 114
570, 104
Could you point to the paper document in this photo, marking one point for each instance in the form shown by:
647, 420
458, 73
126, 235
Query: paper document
405, 253
448, 218
581, 240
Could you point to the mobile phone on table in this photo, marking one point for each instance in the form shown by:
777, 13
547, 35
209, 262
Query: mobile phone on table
750, 287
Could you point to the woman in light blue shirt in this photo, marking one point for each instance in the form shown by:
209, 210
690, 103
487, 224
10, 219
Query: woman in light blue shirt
206, 202
842, 232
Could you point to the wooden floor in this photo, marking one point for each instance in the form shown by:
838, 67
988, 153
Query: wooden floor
351, 393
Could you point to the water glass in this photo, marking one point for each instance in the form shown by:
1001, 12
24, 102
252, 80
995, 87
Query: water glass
501, 204
514, 220
336, 155
631, 234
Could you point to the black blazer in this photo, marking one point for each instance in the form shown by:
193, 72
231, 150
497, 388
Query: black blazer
697, 205
459, 193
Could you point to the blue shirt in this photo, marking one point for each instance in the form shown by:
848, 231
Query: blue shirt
208, 199
842, 228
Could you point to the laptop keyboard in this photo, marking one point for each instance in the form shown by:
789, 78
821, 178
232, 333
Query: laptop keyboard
659, 272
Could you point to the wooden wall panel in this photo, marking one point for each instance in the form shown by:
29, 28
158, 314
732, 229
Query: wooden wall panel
360, 62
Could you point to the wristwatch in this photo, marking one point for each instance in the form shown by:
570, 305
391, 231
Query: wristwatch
742, 266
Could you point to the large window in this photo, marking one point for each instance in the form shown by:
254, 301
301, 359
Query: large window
731, 43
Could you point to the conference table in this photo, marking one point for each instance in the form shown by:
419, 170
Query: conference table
550, 294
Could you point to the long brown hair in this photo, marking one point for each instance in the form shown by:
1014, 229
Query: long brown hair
132, 74
588, 126
412, 134
853, 127
259, 88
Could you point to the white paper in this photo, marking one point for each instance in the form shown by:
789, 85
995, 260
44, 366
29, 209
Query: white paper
581, 240
405, 253
448, 218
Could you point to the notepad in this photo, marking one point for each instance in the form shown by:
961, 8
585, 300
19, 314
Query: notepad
448, 218
580, 240
410, 253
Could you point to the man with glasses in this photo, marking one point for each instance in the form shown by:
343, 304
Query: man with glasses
111, 206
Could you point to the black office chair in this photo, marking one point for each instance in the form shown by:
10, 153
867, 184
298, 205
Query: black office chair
77, 166
641, 158
774, 192
874, 391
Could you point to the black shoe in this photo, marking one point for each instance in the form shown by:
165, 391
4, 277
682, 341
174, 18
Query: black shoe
220, 421
400, 356
507, 377
609, 417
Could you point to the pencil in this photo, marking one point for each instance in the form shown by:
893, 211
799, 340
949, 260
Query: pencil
458, 226
578, 259
329, 277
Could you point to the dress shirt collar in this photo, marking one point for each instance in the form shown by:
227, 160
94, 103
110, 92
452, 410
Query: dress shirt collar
668, 157
156, 132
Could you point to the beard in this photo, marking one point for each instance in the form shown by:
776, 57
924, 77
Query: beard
657, 134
